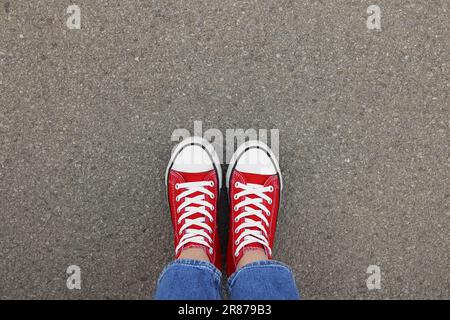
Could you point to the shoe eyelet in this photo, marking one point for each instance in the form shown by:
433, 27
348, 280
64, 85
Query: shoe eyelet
235, 208
270, 189
235, 197
211, 220
177, 199
211, 183
236, 220
212, 208
236, 254
270, 201
236, 242
177, 186
178, 210
212, 196
236, 185
236, 231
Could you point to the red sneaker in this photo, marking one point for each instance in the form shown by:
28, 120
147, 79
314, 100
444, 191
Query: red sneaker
193, 181
254, 187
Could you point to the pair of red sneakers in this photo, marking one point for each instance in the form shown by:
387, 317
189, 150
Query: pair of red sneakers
194, 181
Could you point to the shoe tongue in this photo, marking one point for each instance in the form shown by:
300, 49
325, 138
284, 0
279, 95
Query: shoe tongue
194, 177
261, 180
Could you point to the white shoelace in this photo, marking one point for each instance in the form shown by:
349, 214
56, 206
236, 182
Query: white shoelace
259, 235
194, 235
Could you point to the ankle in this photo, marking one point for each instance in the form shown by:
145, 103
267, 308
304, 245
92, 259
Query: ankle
194, 254
252, 255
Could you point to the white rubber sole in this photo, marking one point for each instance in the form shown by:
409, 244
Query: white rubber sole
203, 143
252, 144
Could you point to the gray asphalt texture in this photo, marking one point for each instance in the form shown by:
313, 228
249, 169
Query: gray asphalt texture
86, 118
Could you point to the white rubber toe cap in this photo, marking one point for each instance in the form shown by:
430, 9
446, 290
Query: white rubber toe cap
192, 158
256, 161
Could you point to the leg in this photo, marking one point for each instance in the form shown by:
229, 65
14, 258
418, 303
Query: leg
254, 184
193, 180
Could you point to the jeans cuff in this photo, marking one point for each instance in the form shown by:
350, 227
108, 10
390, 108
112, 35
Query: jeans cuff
257, 265
195, 264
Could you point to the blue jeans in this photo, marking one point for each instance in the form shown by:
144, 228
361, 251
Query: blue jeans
186, 279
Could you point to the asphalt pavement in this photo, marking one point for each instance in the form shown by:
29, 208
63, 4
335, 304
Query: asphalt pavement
86, 119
